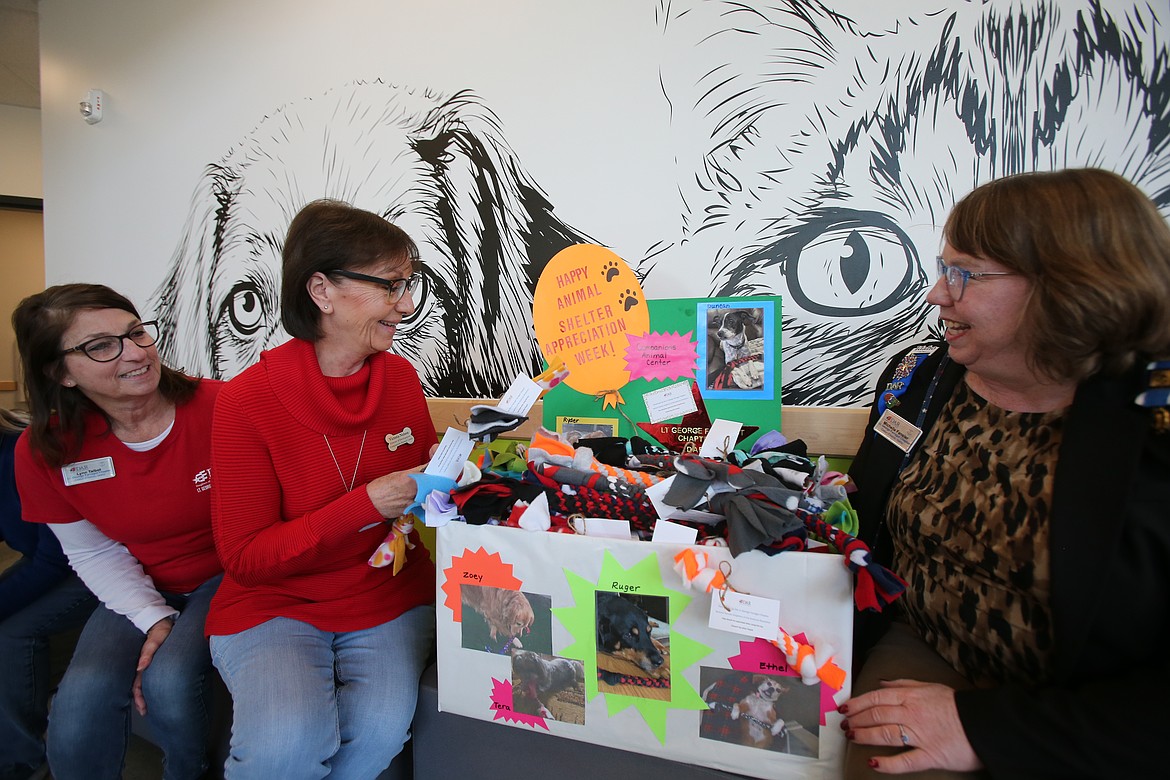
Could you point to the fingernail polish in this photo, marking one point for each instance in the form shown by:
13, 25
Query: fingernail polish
849, 735
843, 709
873, 763
845, 725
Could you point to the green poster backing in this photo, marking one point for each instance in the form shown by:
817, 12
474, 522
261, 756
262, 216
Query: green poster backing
678, 315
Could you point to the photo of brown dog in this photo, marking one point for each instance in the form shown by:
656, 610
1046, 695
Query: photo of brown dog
500, 621
756, 712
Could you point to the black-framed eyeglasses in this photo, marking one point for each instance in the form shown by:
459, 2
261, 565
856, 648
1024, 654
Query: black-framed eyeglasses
103, 349
957, 277
395, 288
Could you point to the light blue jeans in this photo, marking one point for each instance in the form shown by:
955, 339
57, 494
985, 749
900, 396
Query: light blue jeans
24, 670
308, 703
89, 722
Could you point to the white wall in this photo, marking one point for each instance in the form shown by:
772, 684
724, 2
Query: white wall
20, 152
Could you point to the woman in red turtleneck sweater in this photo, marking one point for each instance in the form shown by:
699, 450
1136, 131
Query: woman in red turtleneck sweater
311, 451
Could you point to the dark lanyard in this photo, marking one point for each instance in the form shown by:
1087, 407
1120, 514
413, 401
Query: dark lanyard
942, 364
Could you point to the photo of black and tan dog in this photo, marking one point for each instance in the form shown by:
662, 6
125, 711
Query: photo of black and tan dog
633, 644
548, 686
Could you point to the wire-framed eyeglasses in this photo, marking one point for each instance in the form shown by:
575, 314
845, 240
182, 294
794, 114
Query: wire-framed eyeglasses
104, 349
395, 288
958, 277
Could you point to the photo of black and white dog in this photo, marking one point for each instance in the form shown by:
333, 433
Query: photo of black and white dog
735, 349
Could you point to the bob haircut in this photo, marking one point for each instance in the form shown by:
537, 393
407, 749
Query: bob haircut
58, 413
331, 235
1097, 253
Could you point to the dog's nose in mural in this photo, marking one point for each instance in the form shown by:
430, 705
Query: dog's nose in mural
435, 165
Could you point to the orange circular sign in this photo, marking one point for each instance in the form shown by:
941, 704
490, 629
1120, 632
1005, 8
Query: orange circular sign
586, 302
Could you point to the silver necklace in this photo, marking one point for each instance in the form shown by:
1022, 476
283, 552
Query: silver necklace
353, 479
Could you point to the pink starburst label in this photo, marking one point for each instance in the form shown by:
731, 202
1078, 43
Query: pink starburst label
502, 706
661, 356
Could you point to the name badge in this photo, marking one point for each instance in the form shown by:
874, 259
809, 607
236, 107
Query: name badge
87, 471
903, 434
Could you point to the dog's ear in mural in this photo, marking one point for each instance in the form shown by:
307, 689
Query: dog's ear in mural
820, 152
437, 166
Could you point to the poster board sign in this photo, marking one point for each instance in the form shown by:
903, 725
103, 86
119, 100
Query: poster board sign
521, 616
683, 344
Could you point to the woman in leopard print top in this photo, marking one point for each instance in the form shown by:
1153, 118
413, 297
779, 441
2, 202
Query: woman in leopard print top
1030, 517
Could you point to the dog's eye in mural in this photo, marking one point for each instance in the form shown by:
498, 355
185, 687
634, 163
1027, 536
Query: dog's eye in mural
245, 323
244, 310
841, 263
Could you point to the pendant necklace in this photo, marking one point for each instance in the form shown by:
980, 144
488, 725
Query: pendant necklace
353, 479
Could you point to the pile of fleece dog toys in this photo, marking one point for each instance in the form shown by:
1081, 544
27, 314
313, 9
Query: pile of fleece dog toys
773, 498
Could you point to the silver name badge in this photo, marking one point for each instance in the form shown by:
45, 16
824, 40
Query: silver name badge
901, 433
87, 471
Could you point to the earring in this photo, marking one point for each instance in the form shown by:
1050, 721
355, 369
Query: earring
325, 307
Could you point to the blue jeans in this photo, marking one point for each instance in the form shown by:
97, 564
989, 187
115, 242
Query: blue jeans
89, 723
308, 703
24, 671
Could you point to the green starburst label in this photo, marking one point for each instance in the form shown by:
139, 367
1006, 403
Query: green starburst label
645, 579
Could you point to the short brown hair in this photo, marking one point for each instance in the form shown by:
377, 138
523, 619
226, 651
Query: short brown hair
330, 235
40, 321
1097, 253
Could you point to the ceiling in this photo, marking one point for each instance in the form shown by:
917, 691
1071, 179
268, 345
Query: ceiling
20, 65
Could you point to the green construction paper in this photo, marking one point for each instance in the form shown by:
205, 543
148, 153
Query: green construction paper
581, 622
675, 315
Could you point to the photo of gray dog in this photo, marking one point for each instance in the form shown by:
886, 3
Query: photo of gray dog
548, 686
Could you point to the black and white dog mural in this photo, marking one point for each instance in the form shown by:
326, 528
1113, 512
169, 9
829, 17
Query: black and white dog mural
435, 165
819, 150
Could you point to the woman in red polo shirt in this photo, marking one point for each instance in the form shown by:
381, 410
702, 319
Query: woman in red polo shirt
117, 458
